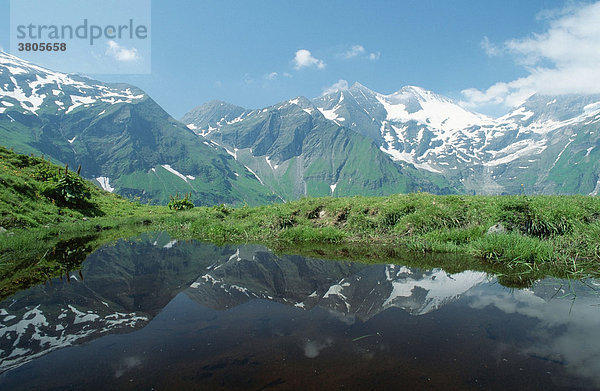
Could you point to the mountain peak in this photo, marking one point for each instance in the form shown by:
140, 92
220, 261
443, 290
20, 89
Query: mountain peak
31, 87
414, 89
419, 93
358, 86
301, 101
220, 103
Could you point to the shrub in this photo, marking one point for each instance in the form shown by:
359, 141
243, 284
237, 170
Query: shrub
177, 203
222, 210
67, 189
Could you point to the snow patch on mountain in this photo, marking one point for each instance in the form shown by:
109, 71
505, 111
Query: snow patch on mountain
78, 101
31, 102
273, 166
596, 190
432, 110
235, 256
329, 114
407, 157
591, 108
177, 173
253, 173
561, 152
104, 182
230, 152
235, 120
332, 187
515, 151
42, 84
82, 317
170, 244
523, 113
335, 290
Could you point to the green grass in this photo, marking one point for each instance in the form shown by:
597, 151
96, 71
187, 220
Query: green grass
544, 235
23, 204
42, 231
557, 235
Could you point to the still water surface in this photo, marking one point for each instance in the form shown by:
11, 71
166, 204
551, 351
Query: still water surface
153, 313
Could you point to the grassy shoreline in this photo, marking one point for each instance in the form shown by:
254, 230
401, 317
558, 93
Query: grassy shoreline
536, 235
544, 235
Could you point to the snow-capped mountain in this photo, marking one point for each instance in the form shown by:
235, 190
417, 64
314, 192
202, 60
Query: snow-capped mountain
33, 89
295, 150
532, 145
546, 145
120, 136
411, 125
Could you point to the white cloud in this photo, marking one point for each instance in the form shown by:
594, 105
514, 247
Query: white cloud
564, 59
271, 76
355, 51
337, 86
489, 48
304, 59
121, 53
500, 94
361, 52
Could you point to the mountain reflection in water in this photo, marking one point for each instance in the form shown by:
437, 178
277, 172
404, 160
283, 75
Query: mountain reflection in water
154, 312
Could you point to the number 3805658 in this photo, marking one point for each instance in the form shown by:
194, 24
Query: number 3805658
42, 47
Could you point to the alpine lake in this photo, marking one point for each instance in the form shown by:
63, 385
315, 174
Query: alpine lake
152, 313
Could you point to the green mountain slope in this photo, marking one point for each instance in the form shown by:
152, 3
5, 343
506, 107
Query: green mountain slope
119, 135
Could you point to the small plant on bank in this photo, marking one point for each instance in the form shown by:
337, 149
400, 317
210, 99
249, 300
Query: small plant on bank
177, 203
222, 209
67, 189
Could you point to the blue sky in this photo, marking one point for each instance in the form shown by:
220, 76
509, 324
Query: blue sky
486, 54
